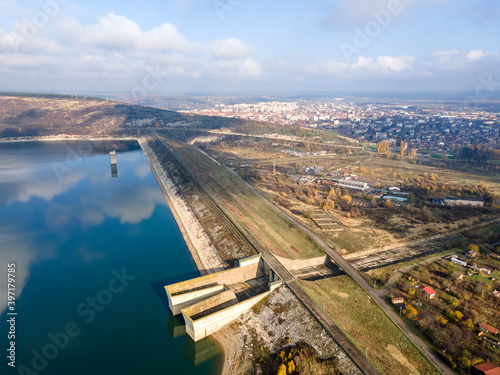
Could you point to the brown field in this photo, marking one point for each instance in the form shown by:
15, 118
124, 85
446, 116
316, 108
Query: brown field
367, 326
272, 229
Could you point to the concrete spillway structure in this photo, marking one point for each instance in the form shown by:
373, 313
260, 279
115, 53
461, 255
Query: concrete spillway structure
209, 302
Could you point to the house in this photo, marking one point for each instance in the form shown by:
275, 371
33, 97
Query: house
472, 254
457, 276
427, 291
306, 180
486, 368
494, 256
398, 301
480, 270
458, 261
398, 197
330, 183
453, 201
485, 270
487, 328
417, 303
496, 293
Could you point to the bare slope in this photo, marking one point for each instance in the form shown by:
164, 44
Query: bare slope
40, 116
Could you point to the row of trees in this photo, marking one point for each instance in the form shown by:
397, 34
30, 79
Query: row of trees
479, 153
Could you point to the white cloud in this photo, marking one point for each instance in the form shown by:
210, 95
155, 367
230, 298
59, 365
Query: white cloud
116, 48
114, 31
235, 68
405, 66
230, 48
475, 55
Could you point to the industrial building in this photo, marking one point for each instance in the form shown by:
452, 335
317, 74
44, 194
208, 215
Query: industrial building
452, 201
356, 185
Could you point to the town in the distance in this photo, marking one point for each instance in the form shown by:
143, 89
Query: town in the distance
302, 210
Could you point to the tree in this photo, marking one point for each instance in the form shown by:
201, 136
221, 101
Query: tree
346, 198
441, 319
388, 204
473, 247
410, 311
282, 369
469, 323
291, 367
402, 149
383, 147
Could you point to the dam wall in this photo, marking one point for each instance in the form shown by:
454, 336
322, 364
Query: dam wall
186, 293
297, 264
207, 303
205, 326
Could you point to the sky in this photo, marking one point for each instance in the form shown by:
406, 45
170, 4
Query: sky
236, 46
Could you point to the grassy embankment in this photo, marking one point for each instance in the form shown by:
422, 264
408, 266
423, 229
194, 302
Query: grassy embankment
366, 325
272, 229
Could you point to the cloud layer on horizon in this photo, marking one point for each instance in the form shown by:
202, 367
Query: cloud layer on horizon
113, 52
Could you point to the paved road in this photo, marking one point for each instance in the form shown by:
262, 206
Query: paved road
380, 300
339, 337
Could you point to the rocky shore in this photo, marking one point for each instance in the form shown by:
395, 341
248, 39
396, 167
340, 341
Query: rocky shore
204, 253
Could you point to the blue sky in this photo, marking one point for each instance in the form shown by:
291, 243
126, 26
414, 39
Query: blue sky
181, 46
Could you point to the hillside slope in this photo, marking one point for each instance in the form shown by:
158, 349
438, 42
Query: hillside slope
40, 116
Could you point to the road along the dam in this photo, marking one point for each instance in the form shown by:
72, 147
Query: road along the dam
339, 337
349, 269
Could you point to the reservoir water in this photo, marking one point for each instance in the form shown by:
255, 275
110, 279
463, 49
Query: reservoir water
93, 248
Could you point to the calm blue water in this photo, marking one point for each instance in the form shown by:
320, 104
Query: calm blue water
92, 255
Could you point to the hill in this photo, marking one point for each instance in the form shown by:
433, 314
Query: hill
24, 115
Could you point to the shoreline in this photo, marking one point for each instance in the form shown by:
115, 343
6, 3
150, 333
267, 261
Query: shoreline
62, 137
199, 244
169, 191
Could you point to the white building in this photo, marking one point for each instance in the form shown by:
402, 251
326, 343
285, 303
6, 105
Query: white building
452, 201
459, 261
356, 185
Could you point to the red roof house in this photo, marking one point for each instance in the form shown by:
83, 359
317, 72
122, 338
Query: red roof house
486, 368
398, 300
487, 328
427, 291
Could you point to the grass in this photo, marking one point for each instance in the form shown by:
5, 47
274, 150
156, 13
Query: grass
383, 274
271, 228
353, 241
358, 316
487, 279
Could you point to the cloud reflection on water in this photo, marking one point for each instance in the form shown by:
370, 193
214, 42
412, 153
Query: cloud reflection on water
87, 196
